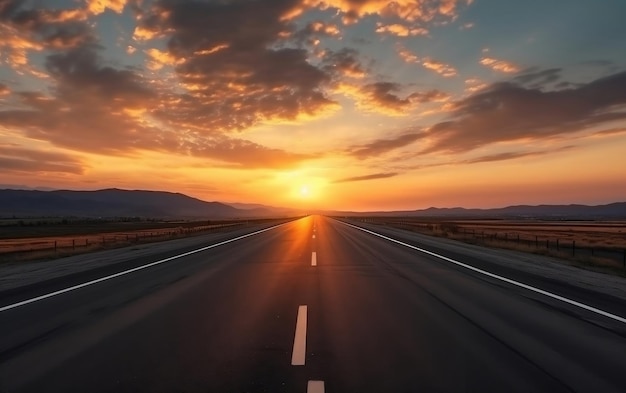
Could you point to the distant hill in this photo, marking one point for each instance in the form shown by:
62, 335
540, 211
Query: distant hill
570, 212
111, 203
261, 210
159, 204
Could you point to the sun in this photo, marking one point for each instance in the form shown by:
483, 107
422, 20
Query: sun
305, 191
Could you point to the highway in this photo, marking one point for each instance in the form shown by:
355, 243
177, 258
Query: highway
313, 305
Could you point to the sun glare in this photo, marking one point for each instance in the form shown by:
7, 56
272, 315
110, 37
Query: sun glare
305, 191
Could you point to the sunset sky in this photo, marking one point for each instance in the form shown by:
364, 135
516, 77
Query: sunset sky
340, 104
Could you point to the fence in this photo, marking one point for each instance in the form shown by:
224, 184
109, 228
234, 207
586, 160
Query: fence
550, 245
20, 248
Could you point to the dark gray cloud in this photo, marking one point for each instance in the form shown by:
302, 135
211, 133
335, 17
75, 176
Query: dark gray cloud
94, 107
538, 78
373, 176
509, 112
50, 28
512, 155
313, 31
384, 95
381, 146
344, 62
237, 77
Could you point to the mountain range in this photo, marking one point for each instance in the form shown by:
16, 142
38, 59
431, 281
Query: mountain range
117, 203
159, 204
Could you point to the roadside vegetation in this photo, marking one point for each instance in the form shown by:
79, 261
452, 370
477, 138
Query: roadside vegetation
596, 245
49, 238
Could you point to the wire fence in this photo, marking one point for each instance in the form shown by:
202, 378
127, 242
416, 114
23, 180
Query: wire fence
562, 247
16, 249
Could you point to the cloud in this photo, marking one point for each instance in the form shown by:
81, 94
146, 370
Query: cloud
373, 176
17, 159
400, 30
408, 10
382, 95
509, 112
313, 31
433, 95
499, 65
439, 67
161, 58
242, 153
343, 62
248, 80
473, 85
99, 6
227, 80
538, 78
513, 155
386, 98
429, 63
406, 55
380, 146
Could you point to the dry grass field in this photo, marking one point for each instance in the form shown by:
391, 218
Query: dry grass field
28, 242
592, 243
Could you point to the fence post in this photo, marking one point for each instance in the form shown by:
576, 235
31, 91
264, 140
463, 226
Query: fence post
548, 244
573, 247
536, 241
73, 244
55, 246
557, 244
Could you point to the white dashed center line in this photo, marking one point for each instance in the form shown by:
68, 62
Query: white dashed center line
313, 258
299, 341
315, 387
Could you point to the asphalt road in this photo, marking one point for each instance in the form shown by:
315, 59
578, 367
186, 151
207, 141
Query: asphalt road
312, 305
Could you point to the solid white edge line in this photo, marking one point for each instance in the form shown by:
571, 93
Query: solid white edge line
315, 387
298, 356
492, 275
72, 288
313, 258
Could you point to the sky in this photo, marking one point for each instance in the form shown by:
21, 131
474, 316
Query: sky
336, 104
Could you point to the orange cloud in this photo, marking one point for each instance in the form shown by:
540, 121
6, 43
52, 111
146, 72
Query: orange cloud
408, 10
19, 160
4, 90
473, 85
439, 67
400, 30
99, 6
499, 65
161, 58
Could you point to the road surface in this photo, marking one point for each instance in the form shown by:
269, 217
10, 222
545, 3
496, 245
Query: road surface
313, 305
